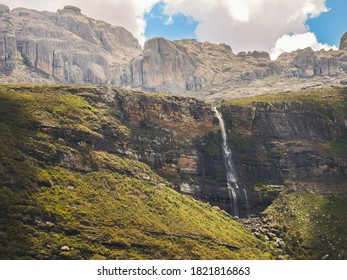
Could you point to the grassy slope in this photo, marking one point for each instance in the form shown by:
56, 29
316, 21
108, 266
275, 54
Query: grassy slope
319, 99
313, 222
57, 190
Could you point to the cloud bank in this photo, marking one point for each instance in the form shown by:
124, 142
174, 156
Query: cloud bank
246, 25
250, 24
289, 43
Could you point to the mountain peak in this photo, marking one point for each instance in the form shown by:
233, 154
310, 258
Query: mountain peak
72, 9
343, 43
4, 9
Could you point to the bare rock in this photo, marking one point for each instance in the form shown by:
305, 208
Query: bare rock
41, 47
7, 46
343, 42
327, 66
165, 67
305, 61
47, 43
4, 9
65, 248
260, 54
72, 9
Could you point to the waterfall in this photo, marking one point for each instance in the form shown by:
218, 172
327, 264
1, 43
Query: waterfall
232, 184
247, 203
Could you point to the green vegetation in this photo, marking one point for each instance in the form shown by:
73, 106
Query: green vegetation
65, 194
326, 102
338, 147
268, 193
313, 224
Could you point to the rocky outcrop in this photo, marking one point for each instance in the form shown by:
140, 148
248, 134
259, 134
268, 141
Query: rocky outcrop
343, 42
308, 64
7, 42
210, 70
47, 43
4, 9
165, 67
283, 141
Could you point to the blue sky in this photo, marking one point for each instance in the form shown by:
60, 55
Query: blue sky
160, 25
330, 26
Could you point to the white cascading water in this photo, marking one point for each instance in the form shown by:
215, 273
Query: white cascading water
230, 170
247, 203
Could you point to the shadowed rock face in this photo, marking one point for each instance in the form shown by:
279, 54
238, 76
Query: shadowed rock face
309, 64
181, 139
7, 42
343, 43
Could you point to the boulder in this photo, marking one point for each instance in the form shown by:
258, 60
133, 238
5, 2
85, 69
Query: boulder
259, 55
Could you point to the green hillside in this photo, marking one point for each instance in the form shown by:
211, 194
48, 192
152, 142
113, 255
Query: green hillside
61, 197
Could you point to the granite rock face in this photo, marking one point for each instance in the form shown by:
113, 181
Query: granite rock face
70, 47
310, 64
165, 67
7, 42
343, 43
213, 71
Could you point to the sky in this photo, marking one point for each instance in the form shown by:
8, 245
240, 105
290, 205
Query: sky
274, 26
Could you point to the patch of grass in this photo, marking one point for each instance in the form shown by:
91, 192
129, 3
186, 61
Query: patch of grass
338, 147
314, 224
326, 102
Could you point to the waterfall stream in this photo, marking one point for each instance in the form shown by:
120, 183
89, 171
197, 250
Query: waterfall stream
232, 185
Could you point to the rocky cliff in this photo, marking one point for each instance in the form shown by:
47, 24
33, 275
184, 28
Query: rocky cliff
213, 72
65, 47
70, 48
343, 43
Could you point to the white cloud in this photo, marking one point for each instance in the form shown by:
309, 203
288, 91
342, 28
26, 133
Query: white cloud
247, 24
289, 43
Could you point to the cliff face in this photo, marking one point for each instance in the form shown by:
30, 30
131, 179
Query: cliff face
214, 72
46, 43
7, 42
343, 43
295, 137
300, 137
